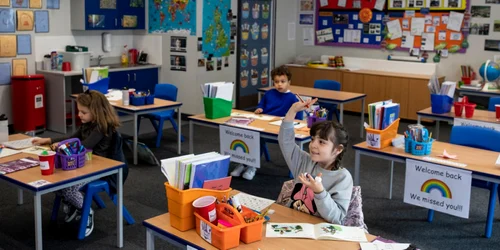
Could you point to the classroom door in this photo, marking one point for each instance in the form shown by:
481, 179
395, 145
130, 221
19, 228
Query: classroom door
255, 52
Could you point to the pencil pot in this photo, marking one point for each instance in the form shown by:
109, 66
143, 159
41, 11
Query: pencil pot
419, 148
469, 109
313, 119
150, 99
252, 231
70, 158
407, 145
441, 104
217, 107
101, 86
138, 100
180, 205
466, 80
221, 237
382, 138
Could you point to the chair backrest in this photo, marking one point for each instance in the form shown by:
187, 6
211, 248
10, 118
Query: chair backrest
493, 101
476, 137
166, 91
355, 216
327, 84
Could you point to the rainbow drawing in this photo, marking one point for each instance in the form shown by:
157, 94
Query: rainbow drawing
239, 144
432, 184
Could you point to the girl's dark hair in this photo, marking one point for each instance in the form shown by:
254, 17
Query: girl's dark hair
334, 132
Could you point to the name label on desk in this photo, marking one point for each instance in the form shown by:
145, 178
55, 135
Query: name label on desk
472, 123
444, 189
243, 145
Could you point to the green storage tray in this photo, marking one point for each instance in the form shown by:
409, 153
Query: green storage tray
74, 48
217, 108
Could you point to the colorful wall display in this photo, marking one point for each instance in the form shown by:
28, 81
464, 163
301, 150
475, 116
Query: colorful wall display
216, 28
177, 16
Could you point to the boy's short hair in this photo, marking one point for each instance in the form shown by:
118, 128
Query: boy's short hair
281, 71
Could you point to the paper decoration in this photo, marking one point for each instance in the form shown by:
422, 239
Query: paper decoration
35, 4
19, 67
5, 3
5, 73
53, 4
129, 21
365, 15
7, 21
25, 20
455, 21
107, 4
324, 35
417, 26
8, 45
407, 40
41, 21
24, 44
20, 4
394, 28
427, 43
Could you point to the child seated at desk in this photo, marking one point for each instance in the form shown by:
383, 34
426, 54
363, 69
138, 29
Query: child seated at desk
329, 195
275, 102
99, 123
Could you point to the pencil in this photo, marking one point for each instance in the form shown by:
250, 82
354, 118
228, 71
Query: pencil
300, 98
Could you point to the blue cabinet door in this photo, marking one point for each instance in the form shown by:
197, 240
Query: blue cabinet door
99, 19
127, 12
119, 80
145, 79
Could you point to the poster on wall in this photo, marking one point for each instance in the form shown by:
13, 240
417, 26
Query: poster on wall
253, 70
216, 28
172, 16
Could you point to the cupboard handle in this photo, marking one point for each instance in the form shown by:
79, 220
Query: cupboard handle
135, 78
116, 22
128, 77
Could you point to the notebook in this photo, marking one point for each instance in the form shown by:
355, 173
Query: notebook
320, 231
19, 144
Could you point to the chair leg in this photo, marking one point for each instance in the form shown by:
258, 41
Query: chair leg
87, 204
174, 125
430, 215
130, 220
491, 210
265, 151
55, 208
160, 133
153, 122
97, 199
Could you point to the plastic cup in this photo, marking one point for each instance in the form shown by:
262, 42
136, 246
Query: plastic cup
469, 109
47, 163
66, 66
205, 207
497, 110
88, 155
459, 107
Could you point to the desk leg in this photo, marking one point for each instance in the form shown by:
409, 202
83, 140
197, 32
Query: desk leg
437, 130
179, 131
362, 117
135, 139
357, 158
150, 239
119, 211
418, 119
73, 119
191, 132
341, 119
38, 221
390, 182
20, 199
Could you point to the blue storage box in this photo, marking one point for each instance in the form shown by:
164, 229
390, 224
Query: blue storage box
137, 100
441, 104
150, 99
101, 86
418, 148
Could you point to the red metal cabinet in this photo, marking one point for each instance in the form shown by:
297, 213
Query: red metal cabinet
28, 102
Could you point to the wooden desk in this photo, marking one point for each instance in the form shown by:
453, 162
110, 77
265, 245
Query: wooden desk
479, 115
136, 111
160, 226
328, 96
266, 130
492, 93
97, 168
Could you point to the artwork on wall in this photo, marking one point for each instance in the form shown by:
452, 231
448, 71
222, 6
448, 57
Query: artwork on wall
4, 3
24, 44
216, 28
5, 73
35, 4
178, 44
7, 21
107, 4
24, 20
8, 47
169, 16
20, 3
19, 67
53, 4
177, 63
41, 21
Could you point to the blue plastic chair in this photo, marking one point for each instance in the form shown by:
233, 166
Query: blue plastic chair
329, 85
168, 92
492, 103
481, 138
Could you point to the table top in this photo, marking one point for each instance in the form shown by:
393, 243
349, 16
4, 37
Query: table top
477, 160
161, 224
96, 166
302, 133
479, 115
159, 103
340, 96
492, 92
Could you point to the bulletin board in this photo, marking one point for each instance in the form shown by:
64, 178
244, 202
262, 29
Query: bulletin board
333, 5
348, 21
433, 5
441, 27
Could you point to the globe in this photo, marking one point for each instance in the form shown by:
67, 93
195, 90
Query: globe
492, 71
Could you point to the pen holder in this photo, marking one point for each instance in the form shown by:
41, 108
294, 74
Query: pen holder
251, 232
221, 238
466, 80
313, 119
441, 104
137, 100
70, 162
418, 148
217, 107
381, 138
150, 99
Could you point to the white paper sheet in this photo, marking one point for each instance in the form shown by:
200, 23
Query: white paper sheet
455, 36
356, 36
383, 246
341, 3
323, 3
428, 19
354, 17
455, 21
379, 5
442, 35
427, 43
324, 35
407, 40
444, 19
291, 31
394, 28
347, 36
417, 26
366, 40
308, 36
254, 202
409, 13
405, 24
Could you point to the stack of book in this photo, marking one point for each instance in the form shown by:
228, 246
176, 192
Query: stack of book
382, 114
94, 74
223, 90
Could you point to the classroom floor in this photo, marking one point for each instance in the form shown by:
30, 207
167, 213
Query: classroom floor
145, 197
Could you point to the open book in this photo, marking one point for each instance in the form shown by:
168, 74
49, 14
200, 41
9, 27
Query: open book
320, 231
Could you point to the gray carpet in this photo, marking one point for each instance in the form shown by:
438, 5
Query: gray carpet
145, 197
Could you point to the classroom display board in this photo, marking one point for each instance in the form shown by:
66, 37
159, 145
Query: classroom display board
438, 5
349, 4
347, 28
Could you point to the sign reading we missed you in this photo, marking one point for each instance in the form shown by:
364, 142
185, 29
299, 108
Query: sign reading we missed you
472, 123
437, 187
243, 145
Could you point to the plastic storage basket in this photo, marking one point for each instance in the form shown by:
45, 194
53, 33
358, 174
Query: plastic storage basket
101, 86
441, 104
70, 162
382, 138
418, 148
217, 107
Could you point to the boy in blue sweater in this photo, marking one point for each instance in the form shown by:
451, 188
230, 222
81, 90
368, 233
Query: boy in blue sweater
275, 102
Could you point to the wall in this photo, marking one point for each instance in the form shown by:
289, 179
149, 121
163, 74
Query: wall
285, 50
448, 67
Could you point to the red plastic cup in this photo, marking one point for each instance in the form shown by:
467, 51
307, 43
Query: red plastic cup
205, 207
66, 66
466, 80
47, 163
497, 110
459, 107
469, 109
